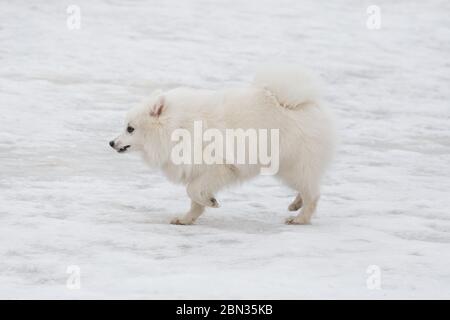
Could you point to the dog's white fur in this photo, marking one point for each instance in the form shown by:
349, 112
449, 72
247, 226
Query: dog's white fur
282, 97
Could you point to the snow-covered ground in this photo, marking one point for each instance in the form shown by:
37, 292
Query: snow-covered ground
67, 199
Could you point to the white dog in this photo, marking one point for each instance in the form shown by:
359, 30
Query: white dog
282, 98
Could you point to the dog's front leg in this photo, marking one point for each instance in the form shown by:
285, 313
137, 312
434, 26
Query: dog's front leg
199, 199
203, 188
200, 191
192, 215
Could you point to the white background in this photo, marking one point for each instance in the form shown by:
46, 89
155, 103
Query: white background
67, 199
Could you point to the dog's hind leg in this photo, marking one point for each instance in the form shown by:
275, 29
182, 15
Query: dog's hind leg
306, 182
296, 204
308, 209
310, 196
192, 215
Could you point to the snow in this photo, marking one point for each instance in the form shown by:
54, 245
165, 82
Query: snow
67, 199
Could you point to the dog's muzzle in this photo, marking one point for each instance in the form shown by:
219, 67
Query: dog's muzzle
120, 150
123, 149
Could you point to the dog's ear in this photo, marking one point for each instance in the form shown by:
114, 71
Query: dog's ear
158, 107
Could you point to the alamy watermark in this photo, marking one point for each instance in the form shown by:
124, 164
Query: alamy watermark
73, 21
374, 19
373, 281
227, 146
74, 280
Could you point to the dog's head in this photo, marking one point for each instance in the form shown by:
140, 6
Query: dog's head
142, 125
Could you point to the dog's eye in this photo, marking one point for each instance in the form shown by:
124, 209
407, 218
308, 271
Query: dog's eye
130, 129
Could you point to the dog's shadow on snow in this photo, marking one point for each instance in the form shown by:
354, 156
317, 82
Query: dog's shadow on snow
206, 224
263, 222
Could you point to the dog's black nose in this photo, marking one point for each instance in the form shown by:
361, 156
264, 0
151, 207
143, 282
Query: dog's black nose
111, 143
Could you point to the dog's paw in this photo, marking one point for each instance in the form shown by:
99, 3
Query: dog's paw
181, 221
294, 206
297, 220
207, 200
203, 197
213, 203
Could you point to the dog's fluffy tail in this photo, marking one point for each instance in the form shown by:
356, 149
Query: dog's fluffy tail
292, 86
